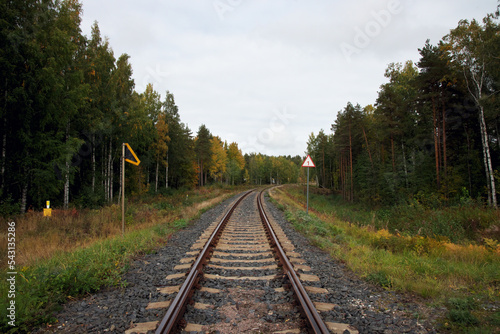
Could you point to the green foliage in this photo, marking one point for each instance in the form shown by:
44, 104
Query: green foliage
460, 278
380, 278
203, 151
263, 169
459, 311
90, 199
180, 224
422, 139
163, 205
42, 288
8, 207
417, 217
72, 150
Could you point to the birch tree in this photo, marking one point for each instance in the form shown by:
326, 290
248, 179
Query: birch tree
468, 46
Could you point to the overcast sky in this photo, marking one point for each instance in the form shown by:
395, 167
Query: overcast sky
266, 74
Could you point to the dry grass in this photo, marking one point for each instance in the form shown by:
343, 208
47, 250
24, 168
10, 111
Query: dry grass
194, 209
39, 238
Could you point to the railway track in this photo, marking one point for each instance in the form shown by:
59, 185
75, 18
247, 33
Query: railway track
243, 275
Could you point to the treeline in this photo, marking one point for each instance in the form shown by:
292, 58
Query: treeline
433, 133
67, 105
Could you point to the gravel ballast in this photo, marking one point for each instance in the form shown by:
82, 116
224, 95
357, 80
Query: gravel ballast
368, 308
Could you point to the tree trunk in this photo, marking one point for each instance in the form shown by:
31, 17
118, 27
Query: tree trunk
351, 197
166, 173
4, 140
393, 154
435, 133
476, 93
498, 134
346, 191
404, 164
468, 159
323, 167
93, 163
66, 176
341, 175
367, 146
445, 163
24, 197
104, 170
120, 192
490, 178
201, 172
156, 183
4, 153
111, 178
66, 186
110, 171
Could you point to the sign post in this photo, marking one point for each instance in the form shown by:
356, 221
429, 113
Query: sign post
123, 189
308, 163
127, 155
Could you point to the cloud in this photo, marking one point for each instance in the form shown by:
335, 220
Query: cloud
232, 73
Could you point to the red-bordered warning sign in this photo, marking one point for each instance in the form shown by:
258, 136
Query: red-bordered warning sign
308, 162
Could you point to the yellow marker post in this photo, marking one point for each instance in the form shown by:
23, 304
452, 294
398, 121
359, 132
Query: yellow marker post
48, 211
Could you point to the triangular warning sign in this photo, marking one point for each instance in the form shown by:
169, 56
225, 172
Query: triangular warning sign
308, 162
130, 155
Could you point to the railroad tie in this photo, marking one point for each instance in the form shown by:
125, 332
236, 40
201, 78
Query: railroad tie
243, 254
142, 327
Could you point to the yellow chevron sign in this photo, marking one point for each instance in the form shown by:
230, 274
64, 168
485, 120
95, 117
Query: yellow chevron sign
130, 155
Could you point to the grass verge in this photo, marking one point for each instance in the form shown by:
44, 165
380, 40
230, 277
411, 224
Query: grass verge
43, 283
461, 278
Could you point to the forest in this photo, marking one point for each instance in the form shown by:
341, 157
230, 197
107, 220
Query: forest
67, 105
405, 194
432, 136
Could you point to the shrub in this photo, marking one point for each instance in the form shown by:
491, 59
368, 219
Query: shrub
381, 278
180, 224
335, 230
460, 311
8, 207
163, 205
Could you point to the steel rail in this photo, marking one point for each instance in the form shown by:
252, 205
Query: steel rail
315, 321
178, 305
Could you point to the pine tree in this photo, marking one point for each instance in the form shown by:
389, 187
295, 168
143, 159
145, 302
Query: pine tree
203, 151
